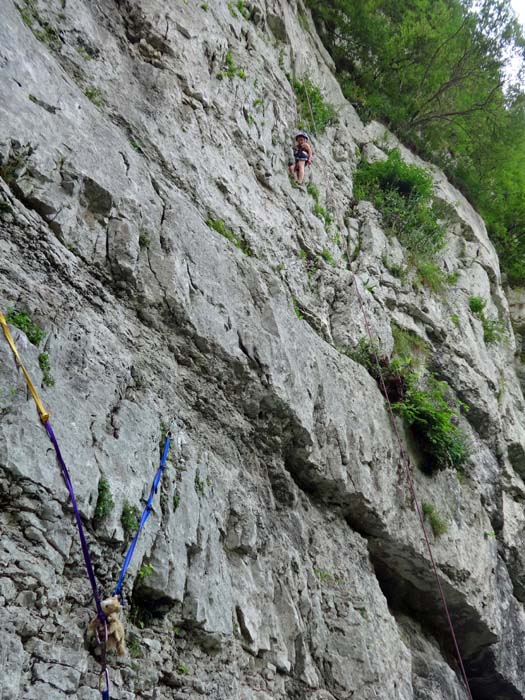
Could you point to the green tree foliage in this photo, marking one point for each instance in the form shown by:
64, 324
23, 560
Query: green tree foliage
436, 71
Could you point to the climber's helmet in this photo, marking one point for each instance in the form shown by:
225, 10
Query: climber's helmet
303, 134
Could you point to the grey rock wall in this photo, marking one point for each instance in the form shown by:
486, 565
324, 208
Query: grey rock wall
287, 556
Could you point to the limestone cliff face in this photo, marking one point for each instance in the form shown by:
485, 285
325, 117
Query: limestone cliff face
287, 557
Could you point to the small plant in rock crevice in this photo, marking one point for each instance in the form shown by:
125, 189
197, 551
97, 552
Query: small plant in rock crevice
94, 95
408, 344
84, 53
239, 8
430, 411
144, 240
199, 485
135, 650
328, 257
129, 519
136, 145
230, 70
397, 271
324, 214
321, 574
45, 366
390, 374
431, 276
219, 226
493, 329
438, 525
477, 305
105, 501
145, 571
297, 309
313, 191
41, 29
141, 615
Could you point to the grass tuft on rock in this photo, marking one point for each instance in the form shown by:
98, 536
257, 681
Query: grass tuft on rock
437, 523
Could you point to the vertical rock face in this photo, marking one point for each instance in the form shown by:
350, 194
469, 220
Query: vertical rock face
283, 557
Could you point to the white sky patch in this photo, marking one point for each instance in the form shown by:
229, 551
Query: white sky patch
519, 9
515, 63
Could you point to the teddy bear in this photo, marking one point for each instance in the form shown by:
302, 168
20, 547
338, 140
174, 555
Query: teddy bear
111, 608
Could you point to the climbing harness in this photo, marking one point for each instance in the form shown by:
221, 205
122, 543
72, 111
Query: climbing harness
103, 682
145, 515
410, 479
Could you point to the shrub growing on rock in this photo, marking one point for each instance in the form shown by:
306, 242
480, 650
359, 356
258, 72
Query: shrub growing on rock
390, 374
493, 329
425, 404
476, 305
314, 113
403, 195
430, 412
21, 320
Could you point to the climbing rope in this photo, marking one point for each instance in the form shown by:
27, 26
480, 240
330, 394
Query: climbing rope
410, 479
44, 417
310, 106
104, 684
406, 465
145, 515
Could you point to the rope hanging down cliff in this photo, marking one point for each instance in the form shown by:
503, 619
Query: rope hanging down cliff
408, 471
410, 479
100, 625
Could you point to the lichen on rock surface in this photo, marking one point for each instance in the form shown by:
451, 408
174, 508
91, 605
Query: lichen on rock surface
283, 555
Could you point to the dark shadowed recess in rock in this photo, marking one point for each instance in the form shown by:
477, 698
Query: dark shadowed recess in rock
478, 645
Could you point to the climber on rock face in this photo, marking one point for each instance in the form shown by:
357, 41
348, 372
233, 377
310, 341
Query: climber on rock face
302, 156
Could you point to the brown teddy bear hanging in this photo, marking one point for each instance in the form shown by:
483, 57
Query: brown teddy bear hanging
111, 608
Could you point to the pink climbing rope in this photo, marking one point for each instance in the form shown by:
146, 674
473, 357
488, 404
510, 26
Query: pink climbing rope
412, 486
